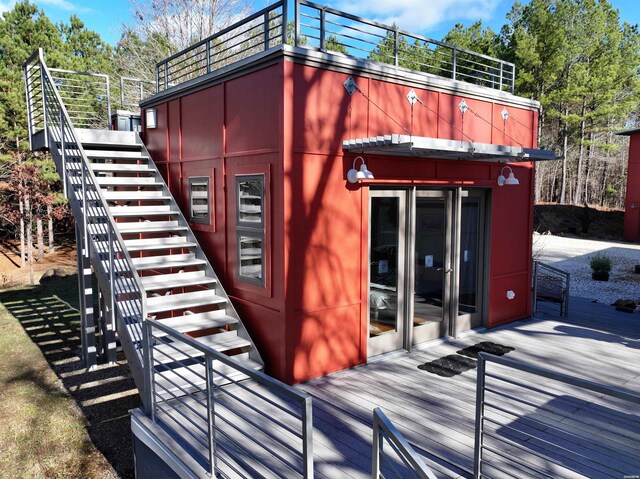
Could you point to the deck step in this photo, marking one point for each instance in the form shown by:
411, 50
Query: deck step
191, 378
139, 227
167, 261
175, 280
171, 302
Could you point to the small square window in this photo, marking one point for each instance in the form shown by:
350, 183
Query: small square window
199, 200
251, 258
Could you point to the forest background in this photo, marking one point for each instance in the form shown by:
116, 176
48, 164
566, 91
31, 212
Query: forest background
575, 56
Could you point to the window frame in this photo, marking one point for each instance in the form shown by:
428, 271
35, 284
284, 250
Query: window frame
204, 220
251, 229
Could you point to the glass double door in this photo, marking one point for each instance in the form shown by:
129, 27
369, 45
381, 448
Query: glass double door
424, 265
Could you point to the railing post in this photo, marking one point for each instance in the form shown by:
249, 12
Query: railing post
480, 383
157, 78
44, 105
535, 288
121, 92
513, 79
109, 125
63, 152
111, 326
297, 23
377, 446
396, 61
211, 413
285, 23
322, 32
147, 359
166, 75
454, 63
501, 73
266, 30
208, 47
307, 438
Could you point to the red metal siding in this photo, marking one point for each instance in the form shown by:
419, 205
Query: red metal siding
288, 122
631, 214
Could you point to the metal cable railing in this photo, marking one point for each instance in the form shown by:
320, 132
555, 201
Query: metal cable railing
403, 462
255, 34
326, 29
322, 28
86, 198
552, 285
236, 420
532, 422
133, 90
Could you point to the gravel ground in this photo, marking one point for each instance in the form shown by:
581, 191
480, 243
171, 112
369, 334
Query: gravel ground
573, 255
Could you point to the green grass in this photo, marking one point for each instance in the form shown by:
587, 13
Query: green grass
42, 431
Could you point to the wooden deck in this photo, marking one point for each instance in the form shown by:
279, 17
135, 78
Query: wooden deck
436, 414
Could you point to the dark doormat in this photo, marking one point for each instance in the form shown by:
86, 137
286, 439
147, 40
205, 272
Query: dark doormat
448, 366
485, 347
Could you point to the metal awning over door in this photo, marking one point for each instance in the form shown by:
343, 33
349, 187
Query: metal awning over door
424, 147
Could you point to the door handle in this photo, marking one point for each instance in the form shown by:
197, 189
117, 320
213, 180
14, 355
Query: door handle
446, 271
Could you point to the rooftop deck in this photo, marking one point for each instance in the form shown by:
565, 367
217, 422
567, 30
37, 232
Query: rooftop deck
436, 414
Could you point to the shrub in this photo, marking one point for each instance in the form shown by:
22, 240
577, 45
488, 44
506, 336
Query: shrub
600, 263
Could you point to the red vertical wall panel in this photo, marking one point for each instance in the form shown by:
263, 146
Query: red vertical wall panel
632, 203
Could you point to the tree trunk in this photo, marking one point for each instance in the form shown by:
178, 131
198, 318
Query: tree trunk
578, 197
23, 256
565, 152
29, 237
588, 171
50, 227
40, 237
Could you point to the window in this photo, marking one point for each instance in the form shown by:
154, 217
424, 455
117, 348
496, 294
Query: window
199, 200
250, 228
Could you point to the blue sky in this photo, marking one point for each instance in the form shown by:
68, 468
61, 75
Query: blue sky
432, 18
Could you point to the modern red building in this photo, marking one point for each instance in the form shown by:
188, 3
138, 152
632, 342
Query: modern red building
632, 202
432, 239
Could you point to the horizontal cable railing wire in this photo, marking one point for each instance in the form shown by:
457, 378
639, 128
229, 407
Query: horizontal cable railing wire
234, 419
533, 422
86, 96
133, 90
402, 460
255, 34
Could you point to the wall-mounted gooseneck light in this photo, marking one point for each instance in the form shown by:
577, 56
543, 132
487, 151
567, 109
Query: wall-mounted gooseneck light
353, 175
509, 180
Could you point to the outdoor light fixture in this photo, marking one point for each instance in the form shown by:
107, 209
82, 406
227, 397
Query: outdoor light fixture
363, 173
150, 116
509, 180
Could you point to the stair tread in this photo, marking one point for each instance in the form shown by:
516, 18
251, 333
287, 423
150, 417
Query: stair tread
164, 264
198, 322
124, 212
135, 196
152, 245
116, 154
183, 301
149, 227
127, 181
122, 167
175, 280
220, 342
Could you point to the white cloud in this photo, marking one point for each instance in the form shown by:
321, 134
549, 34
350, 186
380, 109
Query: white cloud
5, 6
419, 16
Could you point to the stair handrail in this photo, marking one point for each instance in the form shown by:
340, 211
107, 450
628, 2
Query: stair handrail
383, 429
89, 179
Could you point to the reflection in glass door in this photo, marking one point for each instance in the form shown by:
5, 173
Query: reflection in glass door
386, 278
431, 265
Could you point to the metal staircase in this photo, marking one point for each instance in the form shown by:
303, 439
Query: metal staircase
146, 259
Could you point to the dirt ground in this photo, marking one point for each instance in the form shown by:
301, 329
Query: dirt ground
11, 274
